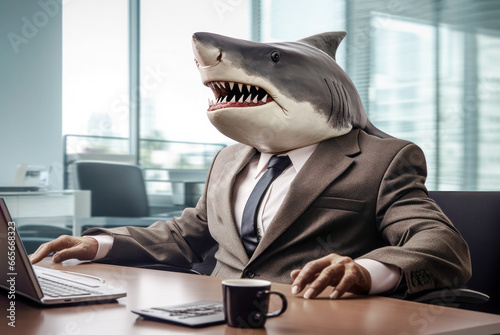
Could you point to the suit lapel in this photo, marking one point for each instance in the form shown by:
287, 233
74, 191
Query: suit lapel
233, 165
330, 159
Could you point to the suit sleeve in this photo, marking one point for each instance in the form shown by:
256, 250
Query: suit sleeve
421, 240
181, 241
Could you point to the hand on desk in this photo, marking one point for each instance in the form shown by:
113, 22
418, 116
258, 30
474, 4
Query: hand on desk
341, 272
66, 247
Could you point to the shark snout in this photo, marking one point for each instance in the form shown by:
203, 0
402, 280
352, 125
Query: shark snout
206, 54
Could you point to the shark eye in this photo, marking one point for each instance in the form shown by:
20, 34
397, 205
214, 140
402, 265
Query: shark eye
275, 56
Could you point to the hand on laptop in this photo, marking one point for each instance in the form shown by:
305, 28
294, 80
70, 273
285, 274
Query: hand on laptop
342, 273
66, 247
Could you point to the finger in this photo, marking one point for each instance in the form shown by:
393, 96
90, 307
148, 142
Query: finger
84, 248
294, 274
65, 254
45, 249
42, 252
308, 274
356, 279
37, 256
328, 276
347, 281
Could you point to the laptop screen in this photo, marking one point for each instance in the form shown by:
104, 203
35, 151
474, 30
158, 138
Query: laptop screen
17, 275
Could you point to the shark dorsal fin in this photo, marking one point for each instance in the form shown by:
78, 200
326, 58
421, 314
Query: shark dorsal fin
326, 42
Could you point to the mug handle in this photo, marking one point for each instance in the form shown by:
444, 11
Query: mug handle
284, 303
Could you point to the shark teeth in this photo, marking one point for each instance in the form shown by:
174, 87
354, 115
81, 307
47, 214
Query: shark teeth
231, 94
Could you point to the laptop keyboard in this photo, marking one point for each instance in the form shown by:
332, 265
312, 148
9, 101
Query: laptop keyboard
57, 289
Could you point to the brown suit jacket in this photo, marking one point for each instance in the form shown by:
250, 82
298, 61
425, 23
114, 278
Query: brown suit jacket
357, 195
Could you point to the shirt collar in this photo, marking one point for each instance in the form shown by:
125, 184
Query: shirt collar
297, 156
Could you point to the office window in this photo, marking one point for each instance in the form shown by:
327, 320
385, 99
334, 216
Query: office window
449, 118
426, 72
95, 97
402, 82
177, 141
284, 20
173, 99
488, 101
432, 80
95, 68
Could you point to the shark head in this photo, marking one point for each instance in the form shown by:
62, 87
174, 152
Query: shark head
278, 96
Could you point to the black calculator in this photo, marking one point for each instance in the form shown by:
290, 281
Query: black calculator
194, 314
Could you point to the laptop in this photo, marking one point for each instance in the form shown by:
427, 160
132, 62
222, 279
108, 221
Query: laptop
44, 286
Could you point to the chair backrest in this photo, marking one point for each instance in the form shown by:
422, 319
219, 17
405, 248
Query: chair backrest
477, 216
116, 189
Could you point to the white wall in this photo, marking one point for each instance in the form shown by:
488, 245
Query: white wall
30, 85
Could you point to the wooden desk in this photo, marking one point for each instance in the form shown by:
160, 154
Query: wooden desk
149, 288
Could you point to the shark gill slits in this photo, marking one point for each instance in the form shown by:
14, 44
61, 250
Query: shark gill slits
230, 94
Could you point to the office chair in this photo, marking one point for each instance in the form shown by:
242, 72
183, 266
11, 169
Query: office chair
118, 194
477, 216
117, 190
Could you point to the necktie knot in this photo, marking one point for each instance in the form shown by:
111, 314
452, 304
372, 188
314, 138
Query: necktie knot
279, 163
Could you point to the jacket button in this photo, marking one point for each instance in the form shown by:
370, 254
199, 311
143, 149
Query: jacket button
249, 273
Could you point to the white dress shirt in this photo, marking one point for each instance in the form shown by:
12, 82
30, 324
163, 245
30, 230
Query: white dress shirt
275, 194
384, 277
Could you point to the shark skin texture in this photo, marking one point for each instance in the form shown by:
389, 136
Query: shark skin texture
281, 96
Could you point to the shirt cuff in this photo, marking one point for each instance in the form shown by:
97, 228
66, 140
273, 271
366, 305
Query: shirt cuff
105, 242
384, 277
